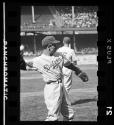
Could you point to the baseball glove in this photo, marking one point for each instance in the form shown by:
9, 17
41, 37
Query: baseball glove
83, 76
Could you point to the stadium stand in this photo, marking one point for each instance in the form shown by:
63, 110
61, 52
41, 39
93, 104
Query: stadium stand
59, 16
83, 18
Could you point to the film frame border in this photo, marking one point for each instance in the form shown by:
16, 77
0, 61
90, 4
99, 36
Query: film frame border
13, 36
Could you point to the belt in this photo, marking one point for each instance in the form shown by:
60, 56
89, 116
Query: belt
58, 81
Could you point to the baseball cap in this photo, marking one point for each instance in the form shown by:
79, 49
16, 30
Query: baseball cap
49, 40
66, 40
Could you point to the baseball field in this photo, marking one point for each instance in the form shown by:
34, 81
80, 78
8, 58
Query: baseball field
83, 96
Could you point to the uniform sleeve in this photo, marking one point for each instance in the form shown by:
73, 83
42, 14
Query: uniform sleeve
35, 63
31, 63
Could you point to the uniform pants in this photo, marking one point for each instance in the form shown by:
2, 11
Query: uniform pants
67, 80
57, 101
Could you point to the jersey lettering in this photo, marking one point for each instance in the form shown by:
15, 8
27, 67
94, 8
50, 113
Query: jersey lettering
53, 65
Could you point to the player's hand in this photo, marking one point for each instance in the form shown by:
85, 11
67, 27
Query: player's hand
30, 64
22, 50
83, 76
31, 69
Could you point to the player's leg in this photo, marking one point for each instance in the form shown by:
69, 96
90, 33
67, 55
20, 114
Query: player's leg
53, 97
67, 81
66, 108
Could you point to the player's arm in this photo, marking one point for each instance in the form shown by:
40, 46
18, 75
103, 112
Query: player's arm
26, 65
77, 70
74, 62
30, 66
22, 62
73, 67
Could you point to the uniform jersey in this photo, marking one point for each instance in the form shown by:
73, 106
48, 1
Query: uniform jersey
49, 66
69, 55
55, 95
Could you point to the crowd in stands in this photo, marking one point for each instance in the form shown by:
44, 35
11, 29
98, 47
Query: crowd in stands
82, 19
87, 20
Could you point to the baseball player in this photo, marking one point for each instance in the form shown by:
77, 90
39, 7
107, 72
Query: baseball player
70, 55
50, 65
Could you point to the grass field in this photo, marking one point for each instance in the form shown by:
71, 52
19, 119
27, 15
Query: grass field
83, 96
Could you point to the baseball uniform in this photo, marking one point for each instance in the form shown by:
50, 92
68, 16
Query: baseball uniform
55, 95
70, 55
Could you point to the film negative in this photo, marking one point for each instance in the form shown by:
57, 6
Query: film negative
23, 100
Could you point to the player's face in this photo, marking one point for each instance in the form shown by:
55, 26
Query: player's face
52, 49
